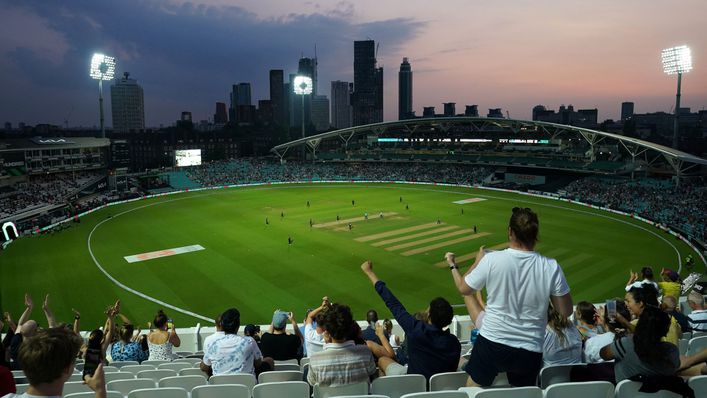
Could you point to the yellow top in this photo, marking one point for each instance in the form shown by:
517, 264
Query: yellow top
670, 289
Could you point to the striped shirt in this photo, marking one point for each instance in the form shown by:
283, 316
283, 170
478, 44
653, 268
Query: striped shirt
341, 364
698, 320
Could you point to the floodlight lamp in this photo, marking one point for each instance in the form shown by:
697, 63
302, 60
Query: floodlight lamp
677, 60
102, 67
303, 85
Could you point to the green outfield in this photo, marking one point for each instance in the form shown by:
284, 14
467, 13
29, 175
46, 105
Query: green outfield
248, 264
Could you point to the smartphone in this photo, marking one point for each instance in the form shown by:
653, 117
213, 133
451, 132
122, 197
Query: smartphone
92, 358
611, 310
170, 324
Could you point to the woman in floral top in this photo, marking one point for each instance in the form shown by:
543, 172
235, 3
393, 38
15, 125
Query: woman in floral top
126, 349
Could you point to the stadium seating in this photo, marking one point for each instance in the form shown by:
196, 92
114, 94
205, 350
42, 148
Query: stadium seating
185, 382
287, 366
75, 386
119, 376
126, 386
397, 386
165, 392
109, 394
629, 389
554, 374
696, 345
154, 363
338, 391
448, 381
245, 379
221, 391
110, 369
589, 389
120, 364
176, 366
515, 392
280, 375
185, 360
290, 389
156, 375
78, 377
699, 385
192, 372
437, 394
134, 369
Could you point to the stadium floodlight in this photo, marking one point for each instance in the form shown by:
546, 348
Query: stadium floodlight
302, 86
676, 61
102, 68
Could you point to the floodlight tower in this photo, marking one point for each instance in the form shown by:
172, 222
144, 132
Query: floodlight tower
102, 68
676, 61
303, 86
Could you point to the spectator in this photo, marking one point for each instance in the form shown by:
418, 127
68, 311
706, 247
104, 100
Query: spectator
341, 361
518, 282
430, 348
644, 354
7, 381
218, 334
585, 315
694, 365
95, 350
230, 353
670, 285
127, 348
698, 316
369, 333
161, 340
646, 274
563, 343
640, 298
393, 339
313, 339
614, 330
669, 304
48, 359
277, 343
253, 331
27, 328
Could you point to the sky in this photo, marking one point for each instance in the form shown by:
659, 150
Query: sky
511, 54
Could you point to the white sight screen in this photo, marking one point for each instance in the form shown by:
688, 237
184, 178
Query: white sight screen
188, 157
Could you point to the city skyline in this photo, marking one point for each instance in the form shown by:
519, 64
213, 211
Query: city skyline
513, 56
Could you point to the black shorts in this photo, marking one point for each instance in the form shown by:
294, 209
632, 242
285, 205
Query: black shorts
488, 359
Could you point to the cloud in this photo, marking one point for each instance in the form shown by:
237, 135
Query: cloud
188, 53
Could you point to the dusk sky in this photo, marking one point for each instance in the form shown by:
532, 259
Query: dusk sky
510, 54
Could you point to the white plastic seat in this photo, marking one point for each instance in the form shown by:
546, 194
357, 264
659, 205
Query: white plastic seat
192, 372
287, 366
696, 345
134, 369
289, 389
448, 381
437, 394
302, 362
79, 366
164, 392
221, 391
119, 376
128, 385
682, 346
79, 377
397, 386
18, 373
188, 360
74, 387
154, 363
21, 388
550, 375
183, 353
513, 392
699, 385
120, 364
185, 382
156, 375
340, 391
629, 389
110, 369
245, 379
280, 375
109, 394
283, 361
587, 389
175, 366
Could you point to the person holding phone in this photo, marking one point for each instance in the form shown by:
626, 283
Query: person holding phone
98, 341
277, 343
163, 338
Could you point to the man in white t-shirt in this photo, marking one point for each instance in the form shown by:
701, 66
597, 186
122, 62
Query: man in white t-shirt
519, 284
313, 338
230, 353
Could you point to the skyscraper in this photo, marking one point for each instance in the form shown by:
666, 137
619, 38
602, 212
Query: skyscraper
308, 67
626, 110
450, 109
367, 98
127, 105
320, 113
277, 95
405, 91
220, 117
240, 100
340, 104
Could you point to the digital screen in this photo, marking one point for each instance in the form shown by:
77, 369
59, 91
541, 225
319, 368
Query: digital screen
188, 157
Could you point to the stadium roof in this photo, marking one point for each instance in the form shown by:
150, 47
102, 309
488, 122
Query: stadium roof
634, 146
22, 144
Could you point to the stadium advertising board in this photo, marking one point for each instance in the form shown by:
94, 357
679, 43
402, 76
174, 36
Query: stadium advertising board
187, 157
528, 179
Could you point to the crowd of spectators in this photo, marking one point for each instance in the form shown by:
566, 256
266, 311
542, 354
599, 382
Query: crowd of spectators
682, 207
525, 325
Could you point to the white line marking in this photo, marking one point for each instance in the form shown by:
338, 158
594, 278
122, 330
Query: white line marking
136, 258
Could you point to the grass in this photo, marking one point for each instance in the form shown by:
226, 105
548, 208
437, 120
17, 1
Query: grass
249, 265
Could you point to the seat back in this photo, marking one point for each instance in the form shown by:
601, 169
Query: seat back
593, 389
629, 389
163, 392
699, 385
192, 372
154, 363
185, 382
513, 392
554, 374
79, 376
221, 391
286, 366
280, 375
73, 387
245, 379
109, 394
175, 366
338, 391
696, 345
289, 389
156, 375
192, 361
437, 394
119, 376
120, 364
136, 368
110, 369
448, 381
126, 386
397, 386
